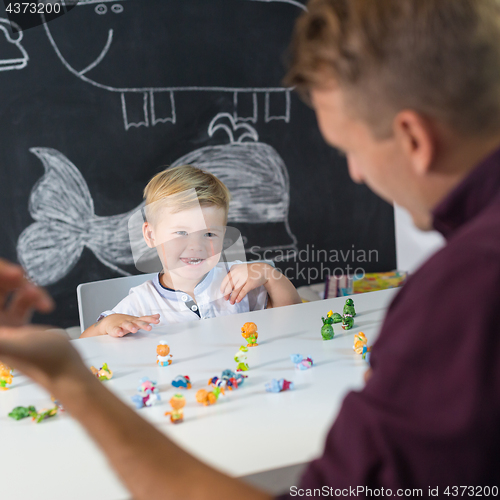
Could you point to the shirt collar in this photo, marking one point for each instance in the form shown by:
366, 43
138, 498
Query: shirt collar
472, 195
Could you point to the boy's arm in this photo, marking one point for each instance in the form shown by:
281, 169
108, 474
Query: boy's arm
118, 325
279, 288
150, 465
243, 278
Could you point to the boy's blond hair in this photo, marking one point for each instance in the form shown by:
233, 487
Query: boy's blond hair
183, 187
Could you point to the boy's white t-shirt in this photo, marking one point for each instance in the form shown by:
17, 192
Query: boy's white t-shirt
175, 306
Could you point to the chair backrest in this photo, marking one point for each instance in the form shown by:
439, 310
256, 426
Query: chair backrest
99, 296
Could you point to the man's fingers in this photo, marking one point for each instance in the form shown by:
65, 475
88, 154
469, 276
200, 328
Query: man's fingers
24, 301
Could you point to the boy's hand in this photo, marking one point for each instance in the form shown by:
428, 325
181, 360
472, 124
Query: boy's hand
19, 297
242, 278
118, 325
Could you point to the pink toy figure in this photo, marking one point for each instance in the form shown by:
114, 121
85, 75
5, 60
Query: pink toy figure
163, 354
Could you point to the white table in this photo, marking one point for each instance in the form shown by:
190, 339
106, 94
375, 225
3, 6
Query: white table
246, 432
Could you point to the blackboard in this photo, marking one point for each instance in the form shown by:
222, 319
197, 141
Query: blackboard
96, 102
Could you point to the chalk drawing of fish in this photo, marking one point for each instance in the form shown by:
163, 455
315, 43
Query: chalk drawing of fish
65, 222
63, 209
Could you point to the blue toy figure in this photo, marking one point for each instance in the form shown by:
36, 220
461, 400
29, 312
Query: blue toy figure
279, 385
300, 362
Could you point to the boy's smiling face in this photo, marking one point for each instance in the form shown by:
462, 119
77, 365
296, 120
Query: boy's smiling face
188, 242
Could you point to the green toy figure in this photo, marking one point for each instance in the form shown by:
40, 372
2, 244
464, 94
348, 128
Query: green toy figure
349, 308
347, 322
337, 318
20, 412
327, 329
240, 358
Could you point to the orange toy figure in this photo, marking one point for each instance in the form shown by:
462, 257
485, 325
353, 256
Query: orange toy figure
249, 333
5, 376
360, 341
177, 402
208, 398
163, 353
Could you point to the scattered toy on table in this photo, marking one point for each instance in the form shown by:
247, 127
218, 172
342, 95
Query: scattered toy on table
104, 373
349, 308
360, 340
300, 362
209, 398
337, 318
240, 358
44, 414
361, 346
148, 394
279, 385
5, 376
163, 357
182, 381
249, 333
20, 412
327, 329
60, 407
177, 402
347, 322
229, 380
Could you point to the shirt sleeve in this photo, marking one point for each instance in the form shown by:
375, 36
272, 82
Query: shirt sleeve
257, 299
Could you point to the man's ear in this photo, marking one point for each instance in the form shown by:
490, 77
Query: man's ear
417, 138
147, 232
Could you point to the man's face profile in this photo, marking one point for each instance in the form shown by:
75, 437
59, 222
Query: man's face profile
386, 165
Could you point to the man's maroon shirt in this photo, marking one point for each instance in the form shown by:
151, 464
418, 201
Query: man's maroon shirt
430, 414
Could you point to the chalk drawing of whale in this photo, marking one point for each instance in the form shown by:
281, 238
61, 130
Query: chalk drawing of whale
216, 36
13, 56
65, 222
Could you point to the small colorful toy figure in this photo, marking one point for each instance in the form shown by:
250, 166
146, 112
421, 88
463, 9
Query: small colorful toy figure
249, 333
207, 398
337, 318
301, 363
347, 322
5, 376
349, 308
44, 414
240, 358
279, 385
177, 402
20, 412
229, 380
327, 329
182, 381
148, 394
60, 407
104, 373
360, 341
163, 357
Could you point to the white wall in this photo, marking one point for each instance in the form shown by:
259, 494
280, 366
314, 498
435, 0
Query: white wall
413, 246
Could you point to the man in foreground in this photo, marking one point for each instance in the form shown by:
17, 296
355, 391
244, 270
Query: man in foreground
410, 91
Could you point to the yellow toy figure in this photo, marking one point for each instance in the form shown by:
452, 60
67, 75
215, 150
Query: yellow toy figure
5, 376
249, 333
104, 373
163, 352
177, 402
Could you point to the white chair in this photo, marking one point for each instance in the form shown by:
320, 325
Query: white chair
99, 296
